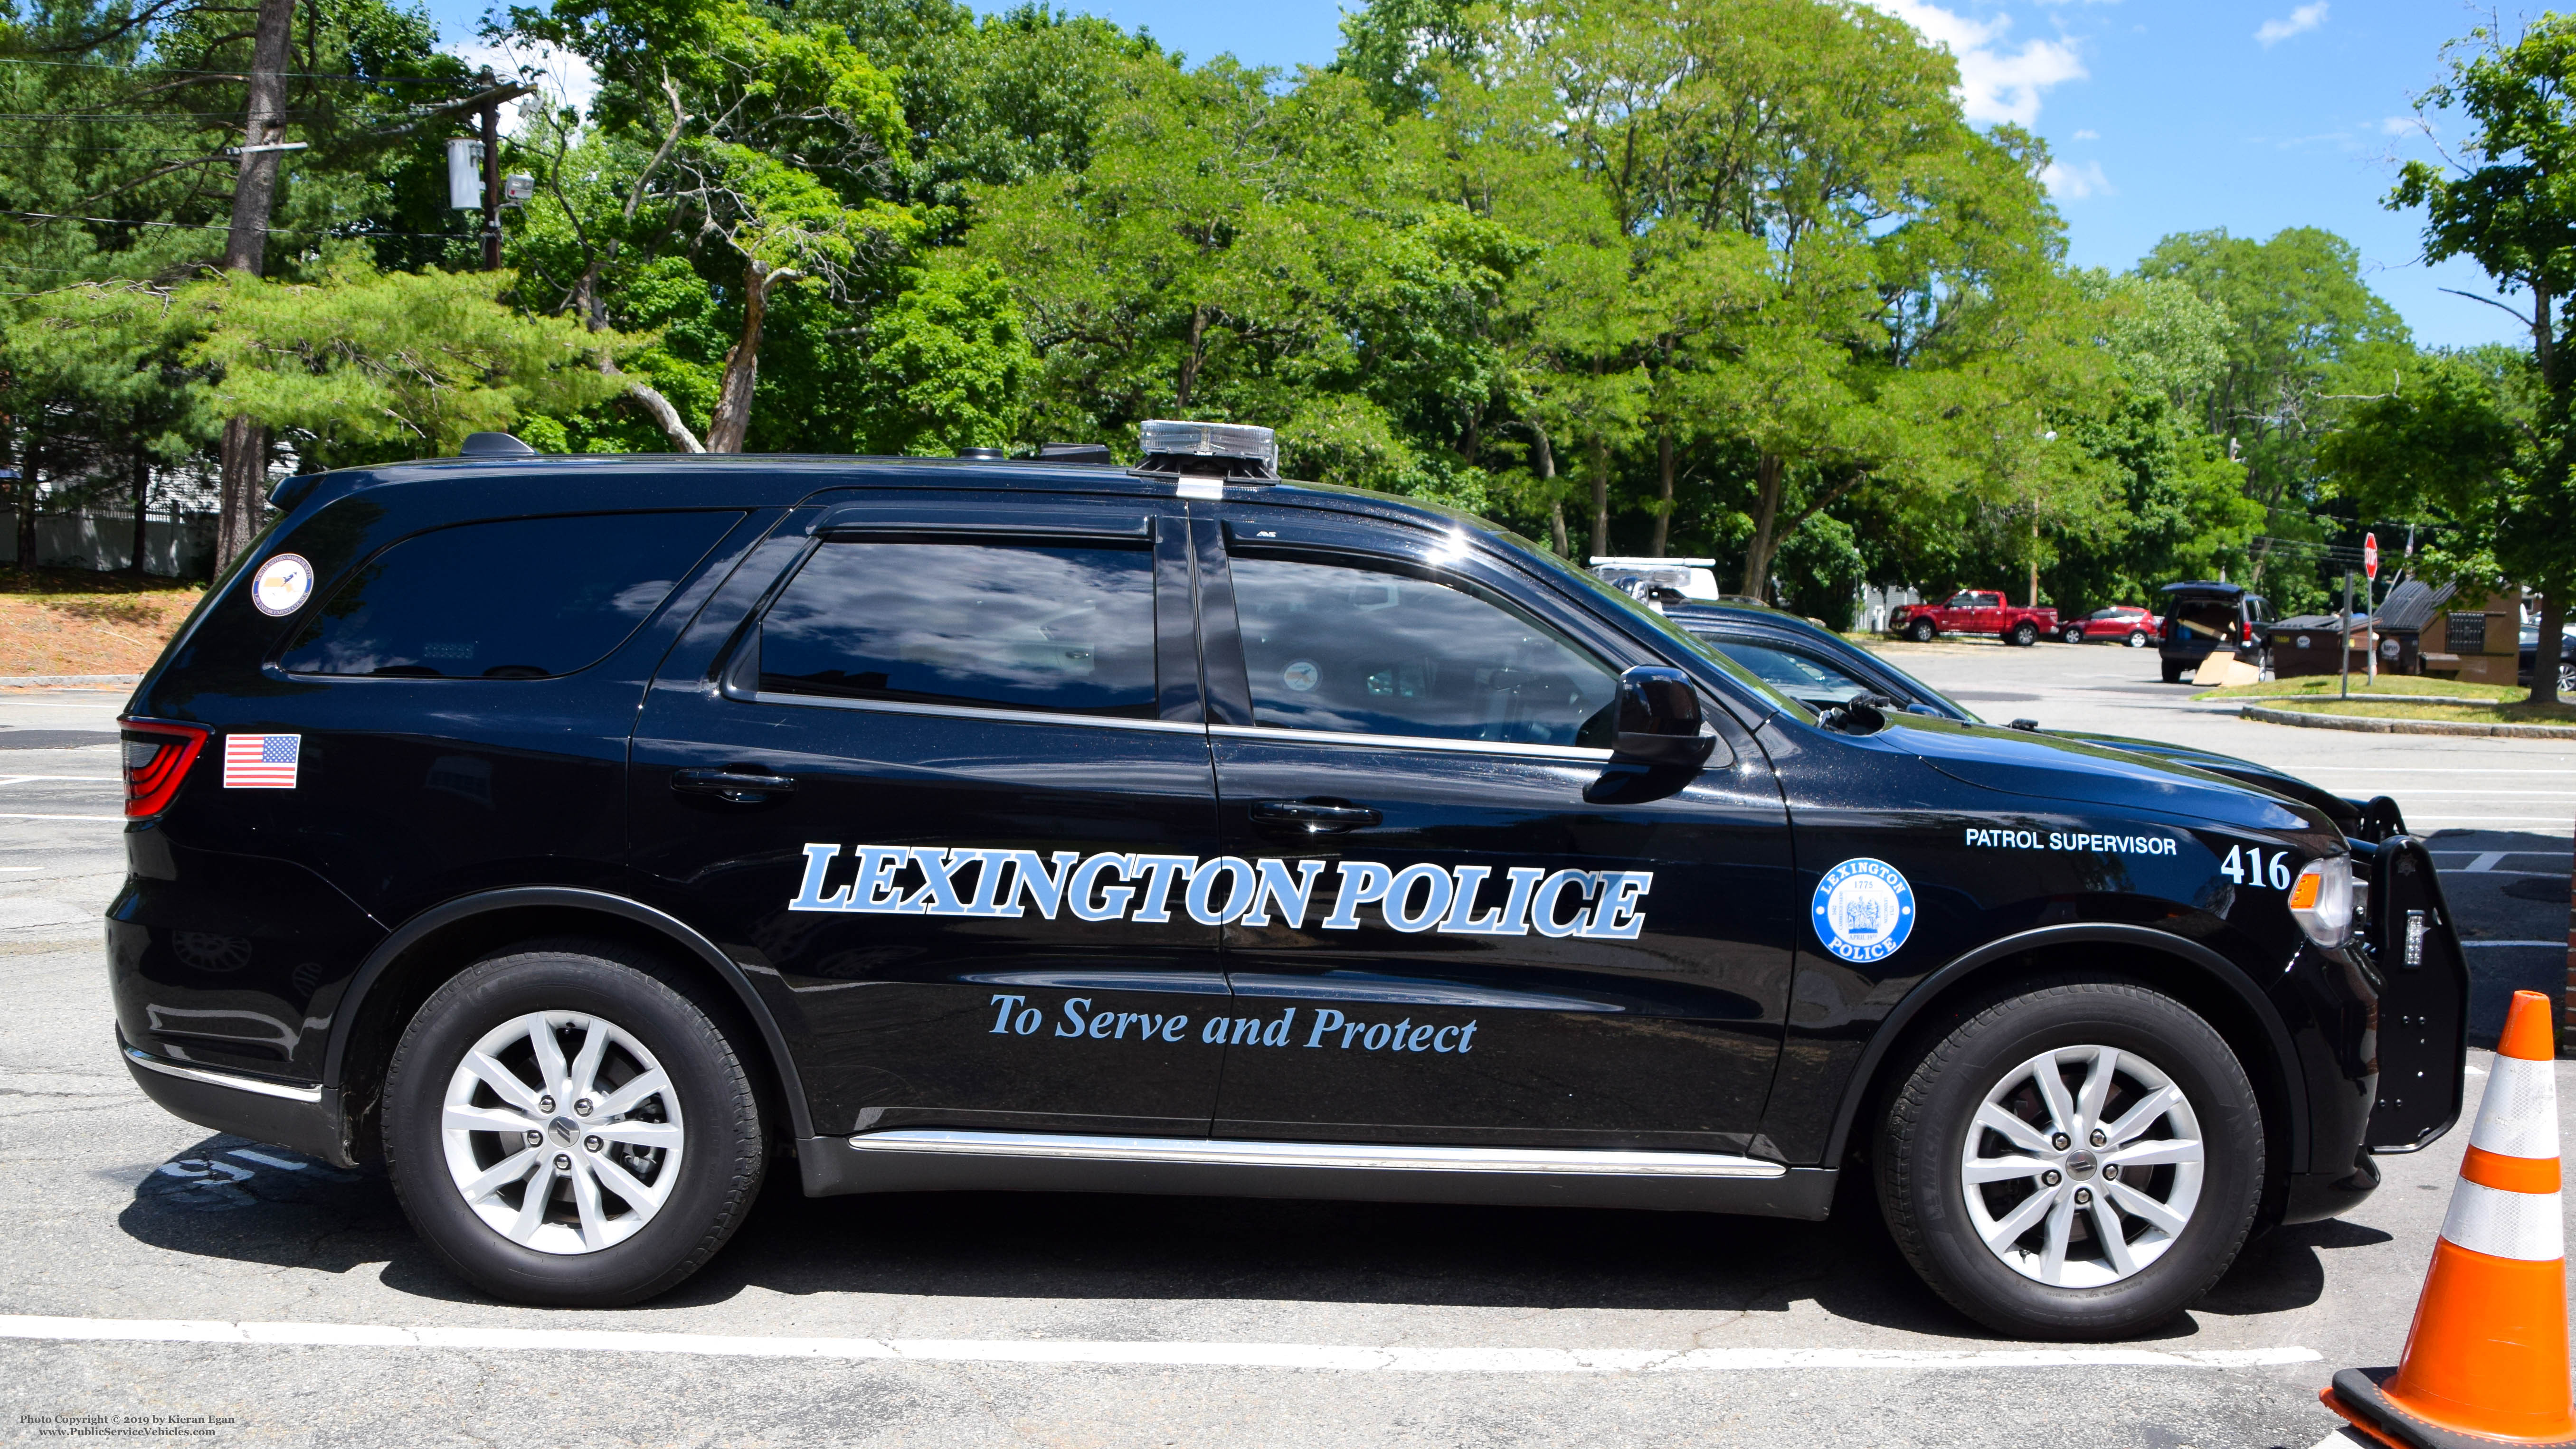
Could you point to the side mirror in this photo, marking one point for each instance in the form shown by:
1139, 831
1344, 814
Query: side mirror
1659, 719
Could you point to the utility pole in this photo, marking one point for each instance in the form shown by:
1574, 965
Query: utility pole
245, 467
2346, 629
491, 180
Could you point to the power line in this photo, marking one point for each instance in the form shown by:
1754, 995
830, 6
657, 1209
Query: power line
87, 146
216, 116
272, 231
364, 80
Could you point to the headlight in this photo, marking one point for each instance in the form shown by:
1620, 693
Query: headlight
2321, 900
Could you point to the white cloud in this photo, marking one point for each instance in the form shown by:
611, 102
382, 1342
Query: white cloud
561, 77
2302, 20
2088, 135
1995, 84
2074, 183
2405, 126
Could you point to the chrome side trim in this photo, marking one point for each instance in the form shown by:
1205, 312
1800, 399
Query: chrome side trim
223, 1079
966, 711
1279, 736
1360, 1156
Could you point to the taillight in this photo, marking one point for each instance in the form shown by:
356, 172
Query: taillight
157, 757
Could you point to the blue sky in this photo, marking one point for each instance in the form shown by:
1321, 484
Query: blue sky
2164, 115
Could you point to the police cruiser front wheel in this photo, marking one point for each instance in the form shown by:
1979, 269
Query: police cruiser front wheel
570, 1129
2078, 1160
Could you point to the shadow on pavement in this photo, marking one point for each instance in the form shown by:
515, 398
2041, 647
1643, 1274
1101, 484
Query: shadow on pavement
229, 1198
2283, 1269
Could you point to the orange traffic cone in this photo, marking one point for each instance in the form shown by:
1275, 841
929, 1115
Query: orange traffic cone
2486, 1361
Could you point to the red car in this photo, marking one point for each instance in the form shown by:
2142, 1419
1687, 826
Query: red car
1973, 611
2131, 625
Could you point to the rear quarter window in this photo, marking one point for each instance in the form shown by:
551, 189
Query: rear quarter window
520, 598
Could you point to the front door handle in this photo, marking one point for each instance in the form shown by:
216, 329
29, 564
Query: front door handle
737, 784
1313, 817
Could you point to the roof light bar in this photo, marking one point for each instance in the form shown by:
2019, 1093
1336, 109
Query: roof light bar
1236, 452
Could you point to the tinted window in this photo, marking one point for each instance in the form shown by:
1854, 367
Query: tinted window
522, 598
1069, 629
1332, 647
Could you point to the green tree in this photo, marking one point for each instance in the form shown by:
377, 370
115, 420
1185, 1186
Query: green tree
768, 152
2510, 205
2305, 336
358, 367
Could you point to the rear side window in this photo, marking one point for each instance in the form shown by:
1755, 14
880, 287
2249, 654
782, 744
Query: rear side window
521, 598
1062, 628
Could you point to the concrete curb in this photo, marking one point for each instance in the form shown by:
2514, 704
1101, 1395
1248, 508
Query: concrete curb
15, 680
2404, 726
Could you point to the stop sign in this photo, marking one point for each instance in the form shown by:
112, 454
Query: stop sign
2370, 555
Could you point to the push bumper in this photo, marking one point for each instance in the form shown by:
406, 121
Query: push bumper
303, 1116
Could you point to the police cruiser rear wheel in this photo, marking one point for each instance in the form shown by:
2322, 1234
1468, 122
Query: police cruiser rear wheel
2081, 1160
570, 1129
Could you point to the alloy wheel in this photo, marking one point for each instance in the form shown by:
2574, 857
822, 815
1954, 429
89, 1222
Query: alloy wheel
562, 1132
2082, 1167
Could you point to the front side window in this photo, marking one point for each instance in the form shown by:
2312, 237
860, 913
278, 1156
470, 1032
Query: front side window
1330, 646
1062, 628
520, 598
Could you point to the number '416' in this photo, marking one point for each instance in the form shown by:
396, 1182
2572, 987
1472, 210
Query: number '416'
2247, 866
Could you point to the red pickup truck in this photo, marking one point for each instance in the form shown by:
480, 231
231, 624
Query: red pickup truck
1973, 611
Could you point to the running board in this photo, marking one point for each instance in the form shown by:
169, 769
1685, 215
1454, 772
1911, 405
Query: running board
941, 1160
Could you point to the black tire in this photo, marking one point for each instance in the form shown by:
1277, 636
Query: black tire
2072, 634
2025, 634
2173, 671
723, 1150
1921, 631
2566, 682
2137, 638
1927, 1130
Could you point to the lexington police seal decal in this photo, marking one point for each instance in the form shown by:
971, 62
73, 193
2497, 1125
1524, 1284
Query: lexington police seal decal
1864, 910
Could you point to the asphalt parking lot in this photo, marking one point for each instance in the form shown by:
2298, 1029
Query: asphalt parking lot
246, 1295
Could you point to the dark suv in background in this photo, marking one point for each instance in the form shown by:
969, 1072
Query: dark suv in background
2201, 618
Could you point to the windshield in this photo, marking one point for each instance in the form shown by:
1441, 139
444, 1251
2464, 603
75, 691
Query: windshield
1810, 681
1921, 693
1618, 600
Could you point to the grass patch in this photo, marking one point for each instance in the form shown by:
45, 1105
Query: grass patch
2390, 686
2554, 714
77, 621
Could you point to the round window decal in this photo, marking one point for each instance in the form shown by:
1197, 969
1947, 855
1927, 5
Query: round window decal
1301, 676
282, 585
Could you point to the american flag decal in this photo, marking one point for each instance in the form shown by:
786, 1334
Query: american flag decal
261, 762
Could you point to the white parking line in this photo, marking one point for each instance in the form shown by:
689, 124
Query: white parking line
1348, 1358
13, 815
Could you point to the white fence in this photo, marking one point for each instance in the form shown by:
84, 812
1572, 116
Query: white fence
180, 547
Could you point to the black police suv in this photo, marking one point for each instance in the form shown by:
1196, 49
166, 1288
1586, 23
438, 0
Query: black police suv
584, 837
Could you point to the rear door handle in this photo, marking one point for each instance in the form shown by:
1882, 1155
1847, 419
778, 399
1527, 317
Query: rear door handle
734, 783
1314, 817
